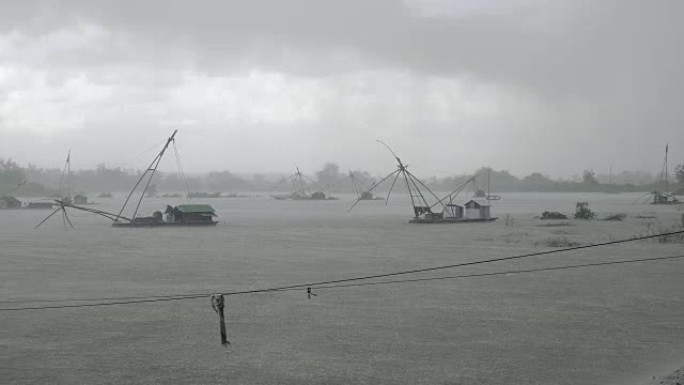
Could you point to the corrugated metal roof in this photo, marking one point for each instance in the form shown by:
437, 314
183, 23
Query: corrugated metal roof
197, 208
475, 204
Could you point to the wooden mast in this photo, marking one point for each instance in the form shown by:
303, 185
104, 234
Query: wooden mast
66, 174
667, 180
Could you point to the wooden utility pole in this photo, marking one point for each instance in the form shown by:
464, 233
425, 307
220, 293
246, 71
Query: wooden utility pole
218, 303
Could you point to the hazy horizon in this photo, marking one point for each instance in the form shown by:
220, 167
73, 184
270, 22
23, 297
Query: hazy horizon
169, 167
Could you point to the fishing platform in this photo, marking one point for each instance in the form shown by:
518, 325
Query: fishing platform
189, 214
426, 213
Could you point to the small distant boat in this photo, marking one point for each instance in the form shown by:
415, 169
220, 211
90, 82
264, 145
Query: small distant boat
368, 196
665, 197
490, 197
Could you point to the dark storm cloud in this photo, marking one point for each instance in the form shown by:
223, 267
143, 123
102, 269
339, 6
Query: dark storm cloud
557, 48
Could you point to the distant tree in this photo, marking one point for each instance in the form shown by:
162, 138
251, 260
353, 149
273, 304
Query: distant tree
259, 182
679, 173
501, 180
14, 180
537, 181
225, 181
589, 177
11, 176
329, 174
152, 190
10, 171
103, 178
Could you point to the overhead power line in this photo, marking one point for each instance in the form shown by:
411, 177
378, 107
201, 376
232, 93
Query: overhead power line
507, 272
338, 283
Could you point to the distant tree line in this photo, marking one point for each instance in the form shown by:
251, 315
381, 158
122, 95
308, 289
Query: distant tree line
15, 181
33, 181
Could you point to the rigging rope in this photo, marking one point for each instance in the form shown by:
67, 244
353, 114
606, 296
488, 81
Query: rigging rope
144, 152
184, 181
507, 272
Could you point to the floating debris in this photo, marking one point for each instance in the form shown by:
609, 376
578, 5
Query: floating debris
553, 215
582, 211
616, 217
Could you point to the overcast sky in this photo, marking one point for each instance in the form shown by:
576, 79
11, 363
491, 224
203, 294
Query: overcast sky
255, 86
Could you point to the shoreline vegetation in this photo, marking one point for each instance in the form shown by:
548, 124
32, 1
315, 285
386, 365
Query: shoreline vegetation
16, 179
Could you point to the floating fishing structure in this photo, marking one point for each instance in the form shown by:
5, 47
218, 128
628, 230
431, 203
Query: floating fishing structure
63, 194
362, 192
301, 190
443, 210
65, 181
65, 186
181, 215
359, 188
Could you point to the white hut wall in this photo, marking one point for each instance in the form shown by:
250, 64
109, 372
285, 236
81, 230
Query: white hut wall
455, 211
473, 213
485, 212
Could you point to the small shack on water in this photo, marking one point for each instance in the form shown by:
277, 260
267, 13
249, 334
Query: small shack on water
454, 211
190, 214
81, 200
39, 205
477, 210
10, 203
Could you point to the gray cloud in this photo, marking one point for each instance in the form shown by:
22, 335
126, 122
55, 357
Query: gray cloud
575, 47
601, 74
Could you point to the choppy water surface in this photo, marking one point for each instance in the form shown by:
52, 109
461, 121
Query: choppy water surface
602, 325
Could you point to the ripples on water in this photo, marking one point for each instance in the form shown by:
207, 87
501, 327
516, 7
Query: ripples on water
602, 325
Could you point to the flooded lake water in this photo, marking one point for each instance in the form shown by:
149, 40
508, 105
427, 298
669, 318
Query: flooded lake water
605, 325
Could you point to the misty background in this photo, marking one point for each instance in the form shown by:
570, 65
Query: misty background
542, 90
331, 178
